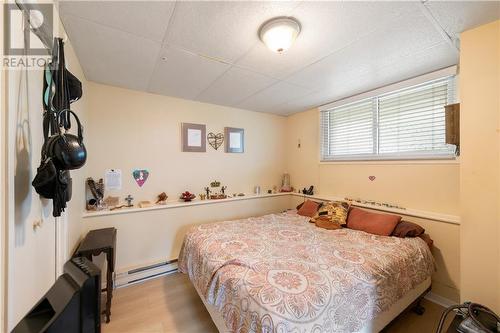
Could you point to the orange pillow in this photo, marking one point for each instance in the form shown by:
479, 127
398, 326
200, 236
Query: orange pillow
373, 223
309, 208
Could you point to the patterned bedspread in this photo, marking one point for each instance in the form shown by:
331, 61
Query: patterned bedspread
279, 273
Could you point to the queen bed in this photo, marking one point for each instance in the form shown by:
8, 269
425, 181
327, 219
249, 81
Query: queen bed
279, 273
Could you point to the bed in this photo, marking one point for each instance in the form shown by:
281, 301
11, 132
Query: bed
279, 273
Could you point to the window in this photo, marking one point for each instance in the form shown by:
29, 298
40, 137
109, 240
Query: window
403, 124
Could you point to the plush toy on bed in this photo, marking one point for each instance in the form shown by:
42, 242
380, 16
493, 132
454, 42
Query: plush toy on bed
332, 215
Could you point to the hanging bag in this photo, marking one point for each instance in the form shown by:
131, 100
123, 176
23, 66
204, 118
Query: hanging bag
45, 181
67, 150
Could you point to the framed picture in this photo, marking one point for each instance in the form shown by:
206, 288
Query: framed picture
235, 139
193, 138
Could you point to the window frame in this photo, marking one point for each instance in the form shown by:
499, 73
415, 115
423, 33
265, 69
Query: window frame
375, 155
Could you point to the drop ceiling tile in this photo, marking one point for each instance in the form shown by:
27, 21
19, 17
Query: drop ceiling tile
148, 19
326, 27
458, 16
407, 35
112, 56
222, 29
277, 94
184, 74
234, 86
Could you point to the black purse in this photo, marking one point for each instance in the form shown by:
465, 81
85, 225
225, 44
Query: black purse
45, 181
67, 150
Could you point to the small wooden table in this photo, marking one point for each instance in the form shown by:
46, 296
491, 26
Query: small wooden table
96, 242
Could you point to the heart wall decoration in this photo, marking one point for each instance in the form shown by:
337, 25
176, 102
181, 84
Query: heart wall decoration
140, 176
372, 178
215, 140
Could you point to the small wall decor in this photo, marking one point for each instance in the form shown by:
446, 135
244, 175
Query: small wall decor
162, 199
187, 196
140, 176
235, 140
215, 140
215, 185
129, 199
113, 179
193, 138
372, 178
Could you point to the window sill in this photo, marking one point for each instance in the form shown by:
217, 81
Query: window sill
455, 161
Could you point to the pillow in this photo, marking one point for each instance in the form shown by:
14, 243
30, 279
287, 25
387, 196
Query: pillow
308, 208
302, 203
427, 239
333, 212
325, 223
373, 223
407, 229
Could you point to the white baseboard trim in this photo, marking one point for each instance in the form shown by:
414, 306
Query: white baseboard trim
440, 300
142, 274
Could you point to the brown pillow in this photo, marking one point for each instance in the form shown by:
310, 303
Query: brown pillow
308, 208
302, 203
407, 229
373, 223
427, 239
325, 223
334, 212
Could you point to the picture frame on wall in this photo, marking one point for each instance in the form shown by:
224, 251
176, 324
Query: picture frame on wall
193, 138
235, 139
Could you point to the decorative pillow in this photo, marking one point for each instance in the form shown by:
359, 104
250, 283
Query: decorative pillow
407, 229
373, 223
302, 203
326, 223
308, 208
333, 212
427, 239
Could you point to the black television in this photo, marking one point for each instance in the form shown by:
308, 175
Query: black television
72, 304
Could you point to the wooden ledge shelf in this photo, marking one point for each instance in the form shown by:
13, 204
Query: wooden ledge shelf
452, 219
177, 204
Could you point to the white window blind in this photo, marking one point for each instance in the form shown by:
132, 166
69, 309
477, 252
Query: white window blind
405, 124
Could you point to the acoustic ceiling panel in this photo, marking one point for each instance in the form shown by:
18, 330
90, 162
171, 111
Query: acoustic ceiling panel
184, 74
234, 86
148, 19
112, 56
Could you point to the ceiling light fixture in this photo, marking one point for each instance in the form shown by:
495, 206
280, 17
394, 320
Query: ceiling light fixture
279, 33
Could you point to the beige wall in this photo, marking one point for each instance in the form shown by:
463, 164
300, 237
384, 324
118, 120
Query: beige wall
431, 186
480, 165
130, 129
31, 251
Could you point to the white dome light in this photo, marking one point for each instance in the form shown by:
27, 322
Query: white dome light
279, 33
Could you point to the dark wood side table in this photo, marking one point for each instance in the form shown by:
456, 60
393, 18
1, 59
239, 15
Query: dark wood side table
96, 242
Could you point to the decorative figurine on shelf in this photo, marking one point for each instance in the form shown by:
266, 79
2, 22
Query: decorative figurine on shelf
129, 200
309, 191
97, 191
207, 191
162, 199
187, 196
275, 189
285, 183
202, 196
216, 195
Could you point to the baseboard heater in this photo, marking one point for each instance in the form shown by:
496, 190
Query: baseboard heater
144, 273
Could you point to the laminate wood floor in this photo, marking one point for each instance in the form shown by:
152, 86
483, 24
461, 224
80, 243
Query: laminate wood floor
170, 304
